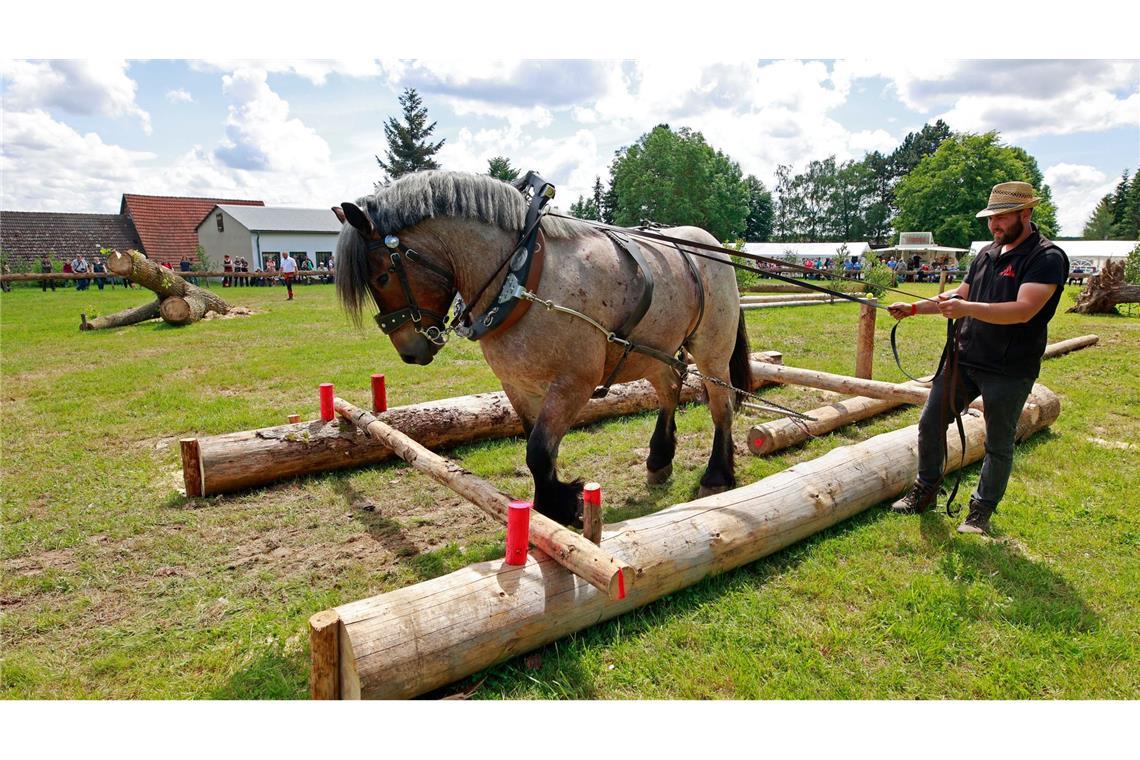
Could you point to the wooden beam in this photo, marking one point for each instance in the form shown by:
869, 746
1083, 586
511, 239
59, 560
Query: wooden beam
865, 341
324, 645
566, 547
838, 383
410, 641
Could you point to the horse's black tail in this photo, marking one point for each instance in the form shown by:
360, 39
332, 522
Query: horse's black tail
740, 365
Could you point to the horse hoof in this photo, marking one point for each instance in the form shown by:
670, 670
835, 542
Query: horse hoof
657, 477
710, 490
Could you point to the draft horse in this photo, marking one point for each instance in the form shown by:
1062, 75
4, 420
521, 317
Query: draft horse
411, 246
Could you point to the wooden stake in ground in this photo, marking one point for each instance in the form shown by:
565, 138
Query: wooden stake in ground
565, 547
180, 303
1104, 290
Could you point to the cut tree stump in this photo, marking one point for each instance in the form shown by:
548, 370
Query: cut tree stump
1104, 290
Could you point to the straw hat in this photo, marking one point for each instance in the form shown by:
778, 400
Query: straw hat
1010, 196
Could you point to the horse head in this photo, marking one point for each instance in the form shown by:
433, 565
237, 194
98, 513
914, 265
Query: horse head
411, 291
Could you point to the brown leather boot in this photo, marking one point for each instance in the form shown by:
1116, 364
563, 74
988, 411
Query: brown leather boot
978, 521
920, 498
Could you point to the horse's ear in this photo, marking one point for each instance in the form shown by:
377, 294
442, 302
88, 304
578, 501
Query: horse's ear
339, 214
358, 219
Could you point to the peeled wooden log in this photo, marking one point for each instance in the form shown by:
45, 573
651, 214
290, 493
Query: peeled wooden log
798, 302
234, 461
408, 642
787, 287
839, 383
128, 317
1105, 289
190, 303
780, 434
572, 551
810, 296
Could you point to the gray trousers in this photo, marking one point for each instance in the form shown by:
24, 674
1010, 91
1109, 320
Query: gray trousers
1003, 397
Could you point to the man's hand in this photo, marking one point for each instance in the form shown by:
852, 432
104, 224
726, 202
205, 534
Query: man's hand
898, 310
955, 308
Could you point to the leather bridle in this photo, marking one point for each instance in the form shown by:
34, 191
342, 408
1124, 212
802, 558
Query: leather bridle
390, 321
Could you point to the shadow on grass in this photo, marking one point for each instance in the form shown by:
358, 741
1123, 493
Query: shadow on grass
274, 675
1037, 596
386, 531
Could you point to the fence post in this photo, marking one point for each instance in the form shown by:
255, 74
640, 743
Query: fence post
865, 343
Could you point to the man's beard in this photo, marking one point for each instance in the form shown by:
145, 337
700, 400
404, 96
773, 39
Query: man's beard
1011, 233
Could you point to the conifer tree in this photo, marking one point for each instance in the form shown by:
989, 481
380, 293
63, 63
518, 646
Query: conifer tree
500, 167
409, 149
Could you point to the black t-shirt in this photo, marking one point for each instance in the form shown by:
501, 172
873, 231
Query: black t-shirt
995, 277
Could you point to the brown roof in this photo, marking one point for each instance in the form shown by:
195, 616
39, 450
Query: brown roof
29, 235
169, 226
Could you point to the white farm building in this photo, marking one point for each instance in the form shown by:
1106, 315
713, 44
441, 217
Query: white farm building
261, 233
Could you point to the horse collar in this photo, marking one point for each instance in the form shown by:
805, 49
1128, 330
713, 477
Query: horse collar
524, 270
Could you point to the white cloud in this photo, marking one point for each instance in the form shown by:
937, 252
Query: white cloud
83, 88
48, 166
316, 72
260, 136
179, 96
1077, 189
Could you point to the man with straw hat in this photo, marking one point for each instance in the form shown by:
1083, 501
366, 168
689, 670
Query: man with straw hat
1005, 303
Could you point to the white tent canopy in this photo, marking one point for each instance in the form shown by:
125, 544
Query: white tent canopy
803, 251
1088, 255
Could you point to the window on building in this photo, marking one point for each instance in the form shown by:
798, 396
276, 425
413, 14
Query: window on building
218, 217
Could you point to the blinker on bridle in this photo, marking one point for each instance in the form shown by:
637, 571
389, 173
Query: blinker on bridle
390, 321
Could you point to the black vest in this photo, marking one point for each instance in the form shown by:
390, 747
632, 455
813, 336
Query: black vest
995, 277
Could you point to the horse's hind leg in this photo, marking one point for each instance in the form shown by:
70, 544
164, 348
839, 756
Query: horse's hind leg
663, 443
557, 500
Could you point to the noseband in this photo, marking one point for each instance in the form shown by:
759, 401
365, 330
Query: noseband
391, 321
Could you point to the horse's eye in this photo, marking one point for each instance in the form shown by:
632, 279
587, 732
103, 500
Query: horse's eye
383, 280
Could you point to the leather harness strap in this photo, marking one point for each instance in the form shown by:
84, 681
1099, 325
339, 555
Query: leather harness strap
627, 244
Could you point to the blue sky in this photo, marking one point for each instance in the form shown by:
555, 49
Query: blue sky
79, 130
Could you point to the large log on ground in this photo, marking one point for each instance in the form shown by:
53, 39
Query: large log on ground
133, 316
1105, 289
838, 383
797, 302
787, 287
234, 461
780, 434
190, 303
811, 296
567, 548
422, 637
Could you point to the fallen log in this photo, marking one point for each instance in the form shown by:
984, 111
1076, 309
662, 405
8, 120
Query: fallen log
787, 287
235, 461
410, 641
180, 303
780, 434
839, 383
779, 298
1105, 289
797, 302
133, 316
567, 548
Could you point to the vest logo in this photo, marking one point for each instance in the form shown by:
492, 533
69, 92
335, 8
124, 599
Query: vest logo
1007, 272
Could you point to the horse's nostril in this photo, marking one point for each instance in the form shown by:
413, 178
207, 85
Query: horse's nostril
408, 358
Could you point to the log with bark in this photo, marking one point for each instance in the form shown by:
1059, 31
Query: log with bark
1105, 290
249, 458
410, 641
179, 302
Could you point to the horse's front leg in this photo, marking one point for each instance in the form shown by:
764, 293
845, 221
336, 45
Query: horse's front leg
663, 443
719, 475
557, 500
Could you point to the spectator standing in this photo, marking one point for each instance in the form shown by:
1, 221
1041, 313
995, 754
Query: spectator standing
6, 286
98, 266
288, 272
67, 268
227, 266
46, 268
81, 267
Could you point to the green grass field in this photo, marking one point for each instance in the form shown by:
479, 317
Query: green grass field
115, 586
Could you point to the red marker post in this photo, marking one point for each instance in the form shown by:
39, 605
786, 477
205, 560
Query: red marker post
326, 396
379, 395
518, 532
592, 512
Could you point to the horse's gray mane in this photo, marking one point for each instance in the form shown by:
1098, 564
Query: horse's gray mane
423, 195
